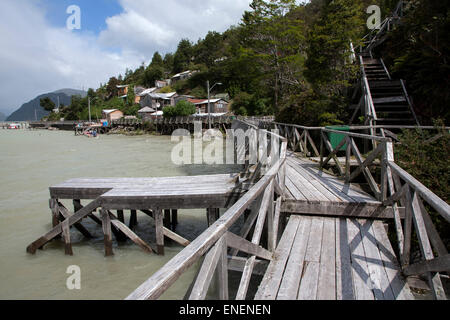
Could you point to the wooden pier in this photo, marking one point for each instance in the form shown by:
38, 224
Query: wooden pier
309, 233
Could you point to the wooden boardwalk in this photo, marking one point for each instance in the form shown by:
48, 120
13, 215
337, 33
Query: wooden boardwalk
312, 191
328, 258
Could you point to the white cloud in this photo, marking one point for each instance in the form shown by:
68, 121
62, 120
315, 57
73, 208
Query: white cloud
37, 57
147, 26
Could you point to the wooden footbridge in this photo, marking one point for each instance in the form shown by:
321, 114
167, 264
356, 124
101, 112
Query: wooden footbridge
309, 233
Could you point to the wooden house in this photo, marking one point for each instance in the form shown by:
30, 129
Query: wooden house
112, 114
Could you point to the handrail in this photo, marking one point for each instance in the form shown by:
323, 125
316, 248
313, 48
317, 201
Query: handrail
217, 238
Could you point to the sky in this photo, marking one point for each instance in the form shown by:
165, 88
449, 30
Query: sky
39, 54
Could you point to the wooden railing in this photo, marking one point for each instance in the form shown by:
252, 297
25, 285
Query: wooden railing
397, 188
219, 246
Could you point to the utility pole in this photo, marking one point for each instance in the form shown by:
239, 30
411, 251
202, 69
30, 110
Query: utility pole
209, 110
89, 106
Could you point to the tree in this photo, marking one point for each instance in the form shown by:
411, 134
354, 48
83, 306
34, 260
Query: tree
157, 60
168, 63
47, 104
182, 56
182, 108
111, 87
151, 74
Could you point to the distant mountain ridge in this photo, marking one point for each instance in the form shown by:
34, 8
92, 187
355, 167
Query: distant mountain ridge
32, 109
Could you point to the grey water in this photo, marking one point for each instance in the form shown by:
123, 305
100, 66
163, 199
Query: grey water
30, 162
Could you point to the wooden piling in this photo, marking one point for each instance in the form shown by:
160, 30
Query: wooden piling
107, 232
158, 216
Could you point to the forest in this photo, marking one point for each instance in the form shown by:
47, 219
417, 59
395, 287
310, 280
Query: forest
292, 61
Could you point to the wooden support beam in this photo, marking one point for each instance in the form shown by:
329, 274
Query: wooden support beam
55, 231
78, 206
133, 219
234, 241
174, 219
166, 220
66, 214
158, 216
130, 234
53, 204
107, 232
439, 264
120, 216
206, 273
66, 235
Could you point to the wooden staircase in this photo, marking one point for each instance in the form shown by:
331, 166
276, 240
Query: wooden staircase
391, 102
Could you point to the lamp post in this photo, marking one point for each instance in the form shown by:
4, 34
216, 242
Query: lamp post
209, 109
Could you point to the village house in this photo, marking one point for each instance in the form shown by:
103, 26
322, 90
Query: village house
219, 106
122, 91
146, 113
183, 75
158, 100
162, 83
111, 114
142, 98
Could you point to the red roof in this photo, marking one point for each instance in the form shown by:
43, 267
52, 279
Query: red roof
197, 100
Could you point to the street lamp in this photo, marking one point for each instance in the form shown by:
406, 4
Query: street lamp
209, 109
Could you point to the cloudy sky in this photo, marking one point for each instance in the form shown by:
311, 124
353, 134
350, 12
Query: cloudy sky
40, 54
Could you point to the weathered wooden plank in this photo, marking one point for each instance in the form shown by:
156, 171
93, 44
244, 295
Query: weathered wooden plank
432, 233
360, 272
327, 275
315, 245
296, 193
310, 279
238, 264
270, 284
331, 196
222, 271
130, 234
360, 210
293, 271
206, 272
234, 241
439, 264
425, 247
437, 203
344, 282
312, 194
399, 287
378, 278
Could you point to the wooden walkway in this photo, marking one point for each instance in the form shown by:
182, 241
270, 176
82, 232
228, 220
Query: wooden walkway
312, 191
328, 258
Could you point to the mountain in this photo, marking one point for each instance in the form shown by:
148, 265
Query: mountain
2, 116
32, 110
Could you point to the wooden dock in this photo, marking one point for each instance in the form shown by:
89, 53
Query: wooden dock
155, 197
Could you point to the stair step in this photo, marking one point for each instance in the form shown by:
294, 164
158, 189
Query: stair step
390, 83
389, 99
396, 119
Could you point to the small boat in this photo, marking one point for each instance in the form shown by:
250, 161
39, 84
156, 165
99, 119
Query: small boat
13, 126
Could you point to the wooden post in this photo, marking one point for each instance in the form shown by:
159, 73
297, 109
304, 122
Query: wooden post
133, 219
66, 234
174, 219
53, 203
167, 218
120, 216
213, 215
348, 154
222, 272
76, 205
106, 223
158, 216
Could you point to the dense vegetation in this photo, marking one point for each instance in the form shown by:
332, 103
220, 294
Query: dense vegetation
293, 61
